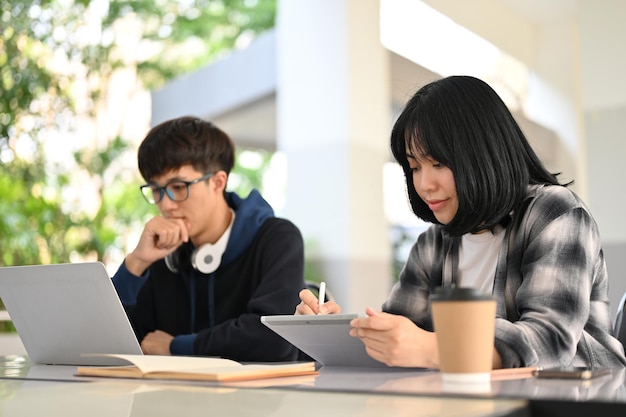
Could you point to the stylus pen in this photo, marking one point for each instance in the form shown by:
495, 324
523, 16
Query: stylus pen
322, 294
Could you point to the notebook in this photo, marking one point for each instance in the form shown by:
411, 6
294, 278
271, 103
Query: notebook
63, 311
325, 338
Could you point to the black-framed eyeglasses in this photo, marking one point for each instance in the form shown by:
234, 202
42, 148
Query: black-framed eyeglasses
176, 190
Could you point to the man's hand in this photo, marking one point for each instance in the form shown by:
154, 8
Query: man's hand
160, 237
157, 343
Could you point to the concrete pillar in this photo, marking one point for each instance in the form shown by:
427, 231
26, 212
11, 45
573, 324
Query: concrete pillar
334, 119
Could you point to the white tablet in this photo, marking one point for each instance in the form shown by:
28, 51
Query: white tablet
325, 338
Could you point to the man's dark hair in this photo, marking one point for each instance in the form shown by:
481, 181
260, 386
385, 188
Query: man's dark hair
185, 141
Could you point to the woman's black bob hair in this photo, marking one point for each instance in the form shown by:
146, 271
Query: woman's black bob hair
461, 122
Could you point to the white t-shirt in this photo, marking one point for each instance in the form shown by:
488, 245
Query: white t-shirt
478, 257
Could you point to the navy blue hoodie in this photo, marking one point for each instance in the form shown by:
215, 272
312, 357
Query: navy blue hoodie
218, 314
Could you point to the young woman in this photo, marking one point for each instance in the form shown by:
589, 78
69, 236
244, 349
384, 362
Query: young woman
501, 223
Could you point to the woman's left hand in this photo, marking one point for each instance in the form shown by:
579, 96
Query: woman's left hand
395, 340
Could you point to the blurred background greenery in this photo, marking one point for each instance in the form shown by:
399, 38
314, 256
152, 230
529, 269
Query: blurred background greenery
68, 175
59, 61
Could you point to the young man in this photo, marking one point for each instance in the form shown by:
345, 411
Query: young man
211, 263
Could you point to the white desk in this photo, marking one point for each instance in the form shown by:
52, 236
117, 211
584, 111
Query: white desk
609, 388
335, 391
113, 398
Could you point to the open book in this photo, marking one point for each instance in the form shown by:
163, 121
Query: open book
194, 368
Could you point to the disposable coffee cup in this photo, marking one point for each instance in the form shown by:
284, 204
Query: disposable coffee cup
464, 321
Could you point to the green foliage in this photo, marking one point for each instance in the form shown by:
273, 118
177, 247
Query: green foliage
49, 49
57, 60
250, 166
186, 35
32, 92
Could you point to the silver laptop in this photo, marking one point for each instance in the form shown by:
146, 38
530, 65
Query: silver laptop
63, 311
325, 338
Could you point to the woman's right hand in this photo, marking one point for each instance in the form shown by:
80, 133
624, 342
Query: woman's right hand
310, 305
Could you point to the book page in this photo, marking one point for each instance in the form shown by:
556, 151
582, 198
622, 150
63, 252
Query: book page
194, 368
158, 363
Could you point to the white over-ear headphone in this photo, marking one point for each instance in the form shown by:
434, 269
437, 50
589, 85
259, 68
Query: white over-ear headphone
206, 258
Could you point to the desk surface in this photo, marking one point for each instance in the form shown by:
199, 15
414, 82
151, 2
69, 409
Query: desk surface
609, 388
123, 398
30, 389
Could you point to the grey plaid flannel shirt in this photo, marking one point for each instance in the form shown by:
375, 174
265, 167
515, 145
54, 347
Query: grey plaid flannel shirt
551, 284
